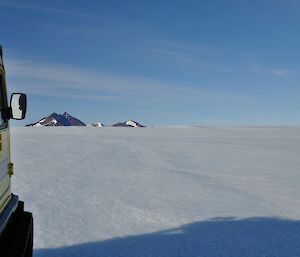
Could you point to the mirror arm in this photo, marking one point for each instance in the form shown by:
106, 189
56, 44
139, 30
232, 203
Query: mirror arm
8, 113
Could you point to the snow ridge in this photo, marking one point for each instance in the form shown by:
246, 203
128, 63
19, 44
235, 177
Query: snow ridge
129, 123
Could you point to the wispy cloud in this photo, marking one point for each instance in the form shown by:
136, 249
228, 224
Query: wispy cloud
282, 72
189, 56
205, 57
40, 8
166, 52
74, 87
57, 80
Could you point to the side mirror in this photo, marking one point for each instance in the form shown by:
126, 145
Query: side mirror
18, 106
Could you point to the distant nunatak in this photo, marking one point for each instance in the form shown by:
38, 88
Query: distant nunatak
65, 119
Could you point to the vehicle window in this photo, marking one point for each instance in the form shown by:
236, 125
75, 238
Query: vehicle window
2, 105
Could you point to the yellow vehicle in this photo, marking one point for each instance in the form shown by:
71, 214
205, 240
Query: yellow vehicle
16, 225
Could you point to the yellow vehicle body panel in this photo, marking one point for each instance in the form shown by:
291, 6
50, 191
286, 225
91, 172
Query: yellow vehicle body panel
5, 173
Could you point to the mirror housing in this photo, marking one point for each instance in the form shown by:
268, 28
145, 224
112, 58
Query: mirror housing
18, 106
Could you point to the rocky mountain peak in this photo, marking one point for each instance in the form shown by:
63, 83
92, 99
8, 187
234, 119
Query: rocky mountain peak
55, 119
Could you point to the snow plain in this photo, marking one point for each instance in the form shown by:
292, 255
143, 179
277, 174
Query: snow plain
186, 191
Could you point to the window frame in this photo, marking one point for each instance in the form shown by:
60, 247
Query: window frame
3, 101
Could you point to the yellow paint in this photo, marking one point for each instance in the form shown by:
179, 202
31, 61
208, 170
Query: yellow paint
5, 164
5, 199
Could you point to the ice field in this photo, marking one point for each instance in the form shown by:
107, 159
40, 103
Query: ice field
181, 191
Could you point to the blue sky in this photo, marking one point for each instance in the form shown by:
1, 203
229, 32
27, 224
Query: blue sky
157, 62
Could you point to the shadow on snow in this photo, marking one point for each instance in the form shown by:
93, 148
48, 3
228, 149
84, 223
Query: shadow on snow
218, 237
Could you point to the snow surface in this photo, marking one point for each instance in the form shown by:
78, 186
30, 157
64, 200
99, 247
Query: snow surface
186, 191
